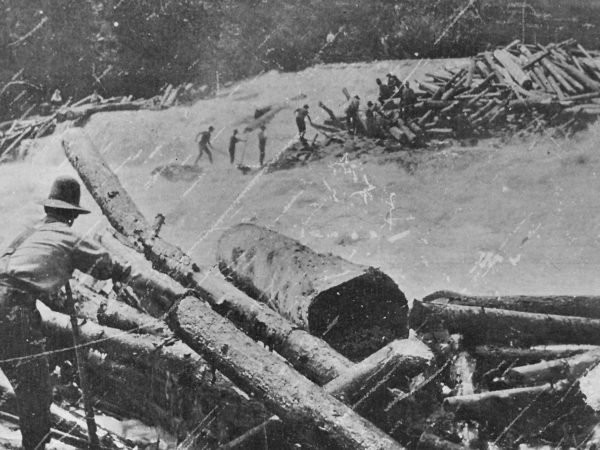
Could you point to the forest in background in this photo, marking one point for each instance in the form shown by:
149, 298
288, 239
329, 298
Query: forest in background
136, 47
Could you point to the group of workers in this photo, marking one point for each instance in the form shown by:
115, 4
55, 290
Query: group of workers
205, 146
392, 95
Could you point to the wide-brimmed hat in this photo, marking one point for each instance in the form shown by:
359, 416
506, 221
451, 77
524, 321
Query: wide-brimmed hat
65, 194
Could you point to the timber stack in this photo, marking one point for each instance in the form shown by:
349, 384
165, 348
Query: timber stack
520, 88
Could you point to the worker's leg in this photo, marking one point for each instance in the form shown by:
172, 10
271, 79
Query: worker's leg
21, 337
261, 158
209, 154
231, 155
200, 151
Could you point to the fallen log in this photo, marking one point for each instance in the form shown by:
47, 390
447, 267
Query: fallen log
407, 358
256, 437
569, 368
516, 72
531, 354
489, 325
316, 416
335, 120
308, 354
85, 111
354, 308
476, 406
163, 378
269, 115
319, 417
567, 305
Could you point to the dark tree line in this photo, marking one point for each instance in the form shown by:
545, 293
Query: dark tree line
135, 47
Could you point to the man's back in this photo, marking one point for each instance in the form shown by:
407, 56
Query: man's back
45, 260
205, 137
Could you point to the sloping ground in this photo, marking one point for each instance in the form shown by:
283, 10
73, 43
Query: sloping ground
502, 218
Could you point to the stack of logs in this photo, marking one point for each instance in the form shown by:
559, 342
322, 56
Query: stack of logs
518, 88
312, 350
13, 132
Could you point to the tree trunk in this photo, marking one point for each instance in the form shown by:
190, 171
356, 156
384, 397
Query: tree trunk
407, 358
320, 418
476, 406
569, 368
488, 325
308, 354
566, 305
354, 308
532, 354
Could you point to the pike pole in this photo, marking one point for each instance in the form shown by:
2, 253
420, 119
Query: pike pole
83, 381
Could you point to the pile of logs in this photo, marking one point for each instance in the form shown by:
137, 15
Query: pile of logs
518, 88
526, 356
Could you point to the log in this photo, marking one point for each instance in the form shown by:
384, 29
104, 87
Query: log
531, 354
354, 308
308, 354
407, 357
580, 76
535, 58
397, 133
335, 121
570, 368
489, 325
513, 69
567, 305
85, 111
318, 417
156, 371
476, 406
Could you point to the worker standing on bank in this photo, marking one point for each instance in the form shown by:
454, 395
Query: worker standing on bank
233, 140
35, 266
262, 144
301, 115
203, 144
352, 118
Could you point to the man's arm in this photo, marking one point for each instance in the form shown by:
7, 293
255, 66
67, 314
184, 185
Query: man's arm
91, 258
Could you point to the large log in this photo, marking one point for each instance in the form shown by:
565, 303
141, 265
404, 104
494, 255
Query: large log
513, 68
489, 325
315, 415
530, 354
567, 305
308, 354
319, 417
355, 308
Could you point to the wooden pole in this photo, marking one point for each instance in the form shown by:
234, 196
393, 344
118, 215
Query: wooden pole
82, 371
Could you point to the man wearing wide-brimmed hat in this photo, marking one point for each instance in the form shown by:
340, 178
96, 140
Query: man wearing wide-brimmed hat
34, 266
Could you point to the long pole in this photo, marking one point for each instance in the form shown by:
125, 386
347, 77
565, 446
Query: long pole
83, 381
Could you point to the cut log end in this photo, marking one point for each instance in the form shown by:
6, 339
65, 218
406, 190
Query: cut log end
361, 315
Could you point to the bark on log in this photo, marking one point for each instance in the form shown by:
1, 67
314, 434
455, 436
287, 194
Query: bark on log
308, 354
569, 368
489, 325
513, 68
407, 357
172, 379
567, 305
318, 417
476, 406
531, 354
354, 308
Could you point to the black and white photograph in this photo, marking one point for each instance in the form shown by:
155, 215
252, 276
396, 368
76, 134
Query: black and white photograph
288, 225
